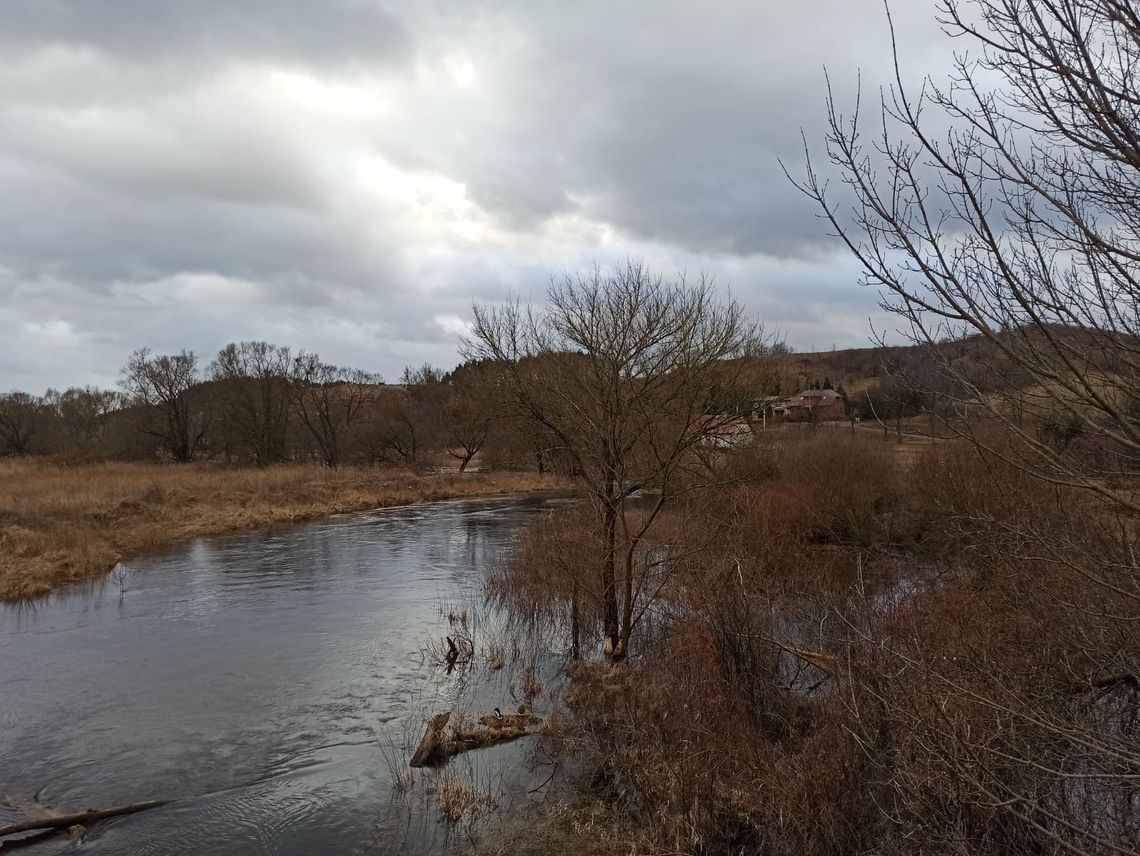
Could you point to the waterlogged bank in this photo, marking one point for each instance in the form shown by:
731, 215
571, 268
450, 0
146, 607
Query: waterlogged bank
268, 683
64, 525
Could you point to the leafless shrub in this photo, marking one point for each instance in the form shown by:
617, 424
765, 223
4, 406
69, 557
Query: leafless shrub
851, 483
121, 577
810, 689
1008, 687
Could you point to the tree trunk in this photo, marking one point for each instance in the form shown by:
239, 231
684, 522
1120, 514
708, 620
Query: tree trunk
609, 587
575, 626
626, 605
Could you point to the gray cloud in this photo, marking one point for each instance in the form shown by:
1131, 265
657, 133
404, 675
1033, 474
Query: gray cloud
671, 125
147, 30
348, 177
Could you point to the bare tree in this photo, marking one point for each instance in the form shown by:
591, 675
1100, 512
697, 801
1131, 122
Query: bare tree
408, 417
426, 376
395, 436
257, 383
20, 417
1018, 226
82, 413
330, 401
467, 408
623, 369
163, 387
998, 215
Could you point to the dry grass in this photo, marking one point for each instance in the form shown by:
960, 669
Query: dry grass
63, 525
908, 442
459, 798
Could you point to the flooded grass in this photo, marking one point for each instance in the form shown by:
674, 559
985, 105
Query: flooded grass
460, 798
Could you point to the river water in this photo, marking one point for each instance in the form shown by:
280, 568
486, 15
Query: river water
264, 682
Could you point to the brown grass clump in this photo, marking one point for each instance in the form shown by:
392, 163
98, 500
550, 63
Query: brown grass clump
692, 756
529, 686
458, 798
555, 828
62, 525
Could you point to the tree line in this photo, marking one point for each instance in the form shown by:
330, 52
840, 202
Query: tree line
262, 404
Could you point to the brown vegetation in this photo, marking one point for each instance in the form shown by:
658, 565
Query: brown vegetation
459, 798
62, 525
849, 655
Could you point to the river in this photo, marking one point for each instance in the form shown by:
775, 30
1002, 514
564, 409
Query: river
267, 683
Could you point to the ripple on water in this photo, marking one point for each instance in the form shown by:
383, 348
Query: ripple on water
251, 678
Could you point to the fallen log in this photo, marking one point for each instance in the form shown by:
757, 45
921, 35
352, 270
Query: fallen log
494, 730
481, 739
428, 752
436, 747
510, 721
83, 818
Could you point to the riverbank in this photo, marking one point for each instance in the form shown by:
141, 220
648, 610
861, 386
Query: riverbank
61, 525
850, 651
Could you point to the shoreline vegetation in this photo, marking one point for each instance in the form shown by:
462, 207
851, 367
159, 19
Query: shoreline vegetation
815, 670
63, 525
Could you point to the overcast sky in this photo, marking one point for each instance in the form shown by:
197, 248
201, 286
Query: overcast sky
347, 176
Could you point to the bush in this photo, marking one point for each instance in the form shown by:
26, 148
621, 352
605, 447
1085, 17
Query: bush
795, 696
851, 482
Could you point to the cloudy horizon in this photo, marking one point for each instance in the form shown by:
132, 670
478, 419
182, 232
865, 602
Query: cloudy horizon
348, 180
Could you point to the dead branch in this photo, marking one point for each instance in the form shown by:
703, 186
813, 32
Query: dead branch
83, 818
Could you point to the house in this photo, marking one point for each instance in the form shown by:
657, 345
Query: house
725, 431
765, 408
813, 405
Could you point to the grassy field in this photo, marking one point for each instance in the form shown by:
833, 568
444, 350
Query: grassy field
63, 525
908, 446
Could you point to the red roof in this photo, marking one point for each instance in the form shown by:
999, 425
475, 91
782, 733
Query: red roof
723, 423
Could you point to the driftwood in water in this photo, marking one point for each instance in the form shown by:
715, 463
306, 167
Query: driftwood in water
428, 752
437, 746
83, 818
494, 730
509, 722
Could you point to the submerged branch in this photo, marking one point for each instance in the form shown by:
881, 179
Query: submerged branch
83, 818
